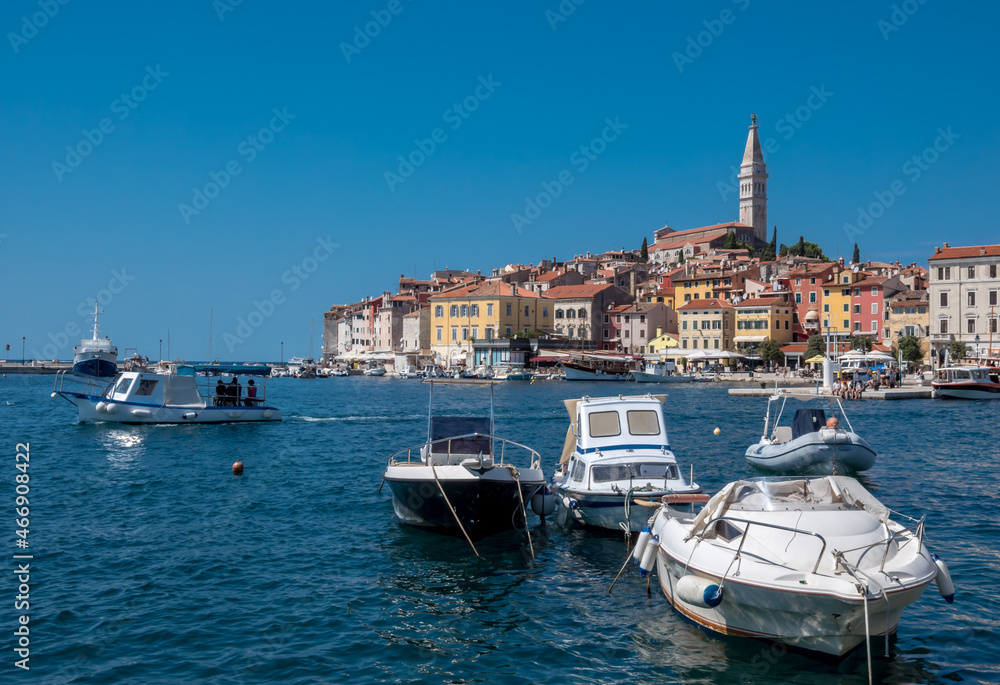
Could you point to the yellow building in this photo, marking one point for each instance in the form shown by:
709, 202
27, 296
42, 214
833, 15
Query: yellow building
483, 312
836, 307
762, 318
707, 324
662, 342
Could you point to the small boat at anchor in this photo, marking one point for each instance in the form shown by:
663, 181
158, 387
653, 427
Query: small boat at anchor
817, 564
967, 383
461, 480
660, 372
812, 443
166, 393
616, 460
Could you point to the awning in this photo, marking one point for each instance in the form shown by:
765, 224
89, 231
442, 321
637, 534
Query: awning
750, 338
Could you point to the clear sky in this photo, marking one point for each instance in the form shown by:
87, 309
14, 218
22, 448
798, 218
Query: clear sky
176, 159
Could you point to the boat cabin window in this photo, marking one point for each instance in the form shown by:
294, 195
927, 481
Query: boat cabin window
607, 472
727, 531
979, 374
578, 471
643, 422
960, 374
123, 385
605, 424
146, 386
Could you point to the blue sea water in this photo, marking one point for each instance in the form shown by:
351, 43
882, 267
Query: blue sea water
154, 564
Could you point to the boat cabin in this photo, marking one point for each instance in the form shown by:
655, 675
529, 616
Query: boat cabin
154, 389
620, 423
968, 374
453, 439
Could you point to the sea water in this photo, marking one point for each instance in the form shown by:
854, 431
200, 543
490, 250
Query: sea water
152, 563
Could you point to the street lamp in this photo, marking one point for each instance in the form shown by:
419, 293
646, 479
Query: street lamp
161, 349
899, 353
977, 347
22, 350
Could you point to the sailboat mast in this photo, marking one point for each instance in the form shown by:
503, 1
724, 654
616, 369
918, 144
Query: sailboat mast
211, 312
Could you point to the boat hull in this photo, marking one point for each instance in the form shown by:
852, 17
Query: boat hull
608, 511
98, 367
486, 503
825, 622
95, 409
966, 391
812, 455
574, 373
643, 377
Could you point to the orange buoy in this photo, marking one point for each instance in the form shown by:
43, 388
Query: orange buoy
238, 468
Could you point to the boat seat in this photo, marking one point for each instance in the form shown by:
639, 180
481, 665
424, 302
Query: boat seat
782, 434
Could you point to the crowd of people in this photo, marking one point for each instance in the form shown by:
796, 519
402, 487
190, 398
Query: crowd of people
852, 387
231, 394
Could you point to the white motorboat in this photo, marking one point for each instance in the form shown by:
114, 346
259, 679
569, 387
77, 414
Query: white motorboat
170, 393
660, 372
811, 444
813, 563
617, 457
967, 383
461, 480
95, 356
374, 369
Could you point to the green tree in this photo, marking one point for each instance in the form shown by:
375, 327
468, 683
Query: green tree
909, 346
957, 350
771, 251
815, 346
804, 248
644, 250
862, 343
730, 243
856, 257
770, 351
680, 257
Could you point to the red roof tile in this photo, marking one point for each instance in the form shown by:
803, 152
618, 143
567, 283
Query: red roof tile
964, 252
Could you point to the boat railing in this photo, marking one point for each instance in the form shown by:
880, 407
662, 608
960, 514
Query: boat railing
495, 443
749, 523
67, 381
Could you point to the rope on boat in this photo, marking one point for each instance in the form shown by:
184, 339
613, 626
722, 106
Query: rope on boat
863, 591
524, 513
868, 642
452, 509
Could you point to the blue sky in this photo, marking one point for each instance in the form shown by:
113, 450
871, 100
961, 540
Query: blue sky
156, 101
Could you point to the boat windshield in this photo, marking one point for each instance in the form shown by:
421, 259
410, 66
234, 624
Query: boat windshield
634, 471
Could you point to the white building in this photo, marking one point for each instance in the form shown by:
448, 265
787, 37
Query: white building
964, 291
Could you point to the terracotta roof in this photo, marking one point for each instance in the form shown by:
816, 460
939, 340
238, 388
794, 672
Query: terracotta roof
549, 276
871, 281
727, 225
574, 292
678, 243
911, 296
711, 303
762, 302
496, 289
965, 252
794, 348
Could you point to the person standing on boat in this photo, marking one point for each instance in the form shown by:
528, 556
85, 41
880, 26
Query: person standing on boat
220, 392
251, 399
234, 391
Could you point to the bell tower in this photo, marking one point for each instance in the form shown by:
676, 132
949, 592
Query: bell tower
753, 185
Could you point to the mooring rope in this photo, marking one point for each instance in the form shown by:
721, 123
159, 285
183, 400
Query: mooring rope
524, 513
452, 509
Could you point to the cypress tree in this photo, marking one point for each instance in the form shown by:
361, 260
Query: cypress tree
856, 257
644, 250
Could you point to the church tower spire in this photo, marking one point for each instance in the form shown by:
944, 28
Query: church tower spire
753, 185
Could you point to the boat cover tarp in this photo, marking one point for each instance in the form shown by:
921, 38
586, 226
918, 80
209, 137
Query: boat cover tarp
757, 495
443, 427
182, 391
807, 421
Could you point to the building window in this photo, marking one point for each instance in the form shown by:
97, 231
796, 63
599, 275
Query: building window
847, 324
454, 333
509, 307
972, 298
944, 299
618, 318
626, 318
474, 310
826, 292
438, 334
826, 323
642, 332
684, 325
508, 328
527, 311
857, 326
921, 310
627, 333
475, 332
559, 313
993, 270
972, 272
453, 310
582, 313
874, 307
874, 326
716, 343
607, 318
993, 298
694, 324
464, 310
489, 332
798, 281
812, 297
694, 343
970, 326
570, 314
947, 273
812, 281
798, 298
607, 334
944, 325
571, 331
545, 312
489, 309
993, 325
857, 309
439, 311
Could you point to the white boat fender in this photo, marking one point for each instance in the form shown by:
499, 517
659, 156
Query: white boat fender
543, 503
701, 592
142, 413
570, 504
649, 556
111, 408
267, 413
943, 578
101, 406
640, 545
189, 415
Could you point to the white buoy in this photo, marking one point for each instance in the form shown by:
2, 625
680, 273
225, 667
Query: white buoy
640, 544
543, 503
649, 556
943, 578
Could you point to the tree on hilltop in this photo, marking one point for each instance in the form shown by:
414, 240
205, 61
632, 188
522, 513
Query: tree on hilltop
644, 250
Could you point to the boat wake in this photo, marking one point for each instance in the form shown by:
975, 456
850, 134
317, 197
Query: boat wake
356, 419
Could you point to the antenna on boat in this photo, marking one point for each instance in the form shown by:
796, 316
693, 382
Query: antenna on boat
430, 404
211, 312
